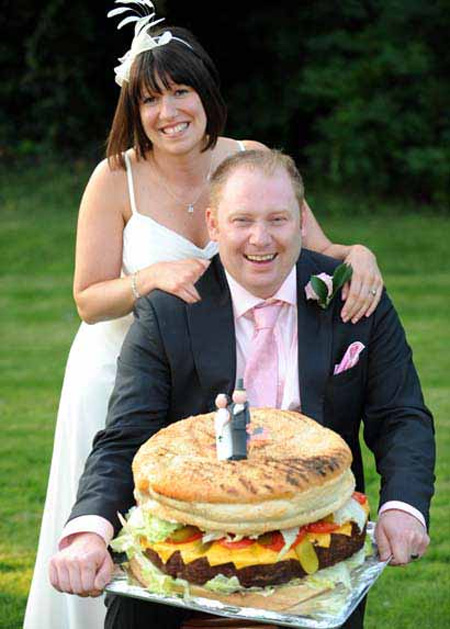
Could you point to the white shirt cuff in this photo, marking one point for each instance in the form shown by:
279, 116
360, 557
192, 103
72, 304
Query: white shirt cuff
403, 506
87, 524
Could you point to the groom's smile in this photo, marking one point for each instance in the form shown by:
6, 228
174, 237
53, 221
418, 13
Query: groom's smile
257, 226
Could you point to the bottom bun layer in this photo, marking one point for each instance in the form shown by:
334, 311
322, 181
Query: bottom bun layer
284, 597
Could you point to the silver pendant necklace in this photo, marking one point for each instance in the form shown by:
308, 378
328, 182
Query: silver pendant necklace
190, 206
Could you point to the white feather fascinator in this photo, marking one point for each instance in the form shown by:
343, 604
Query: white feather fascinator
144, 19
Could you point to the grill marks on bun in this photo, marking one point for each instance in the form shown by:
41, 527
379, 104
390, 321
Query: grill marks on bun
299, 474
180, 461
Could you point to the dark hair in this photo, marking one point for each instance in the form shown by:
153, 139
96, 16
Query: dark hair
176, 61
268, 161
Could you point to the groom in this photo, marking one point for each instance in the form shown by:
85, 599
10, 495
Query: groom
177, 357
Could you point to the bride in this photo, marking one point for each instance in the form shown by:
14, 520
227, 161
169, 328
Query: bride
141, 226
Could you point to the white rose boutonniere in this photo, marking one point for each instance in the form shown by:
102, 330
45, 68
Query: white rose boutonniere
323, 287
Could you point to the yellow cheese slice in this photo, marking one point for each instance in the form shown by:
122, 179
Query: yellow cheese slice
344, 529
216, 554
253, 555
320, 539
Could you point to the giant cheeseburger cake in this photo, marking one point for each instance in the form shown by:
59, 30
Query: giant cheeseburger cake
286, 512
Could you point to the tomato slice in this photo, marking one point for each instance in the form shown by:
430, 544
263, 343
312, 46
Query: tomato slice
185, 535
273, 541
359, 497
245, 542
321, 527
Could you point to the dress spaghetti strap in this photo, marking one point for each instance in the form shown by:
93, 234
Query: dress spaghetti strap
240, 145
130, 183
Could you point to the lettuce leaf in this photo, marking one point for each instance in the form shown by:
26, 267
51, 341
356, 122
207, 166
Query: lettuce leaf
330, 577
157, 530
223, 585
368, 547
157, 581
289, 536
353, 511
228, 585
141, 523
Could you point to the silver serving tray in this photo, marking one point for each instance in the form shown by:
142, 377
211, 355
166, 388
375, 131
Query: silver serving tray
326, 610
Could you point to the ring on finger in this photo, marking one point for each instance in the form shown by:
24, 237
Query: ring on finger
373, 291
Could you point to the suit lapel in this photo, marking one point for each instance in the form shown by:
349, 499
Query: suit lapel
211, 329
314, 344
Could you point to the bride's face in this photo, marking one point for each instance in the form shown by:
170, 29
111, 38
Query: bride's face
173, 118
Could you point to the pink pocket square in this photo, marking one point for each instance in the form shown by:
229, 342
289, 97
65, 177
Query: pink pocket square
351, 357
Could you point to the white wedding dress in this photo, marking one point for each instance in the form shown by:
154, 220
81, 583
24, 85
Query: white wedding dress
88, 381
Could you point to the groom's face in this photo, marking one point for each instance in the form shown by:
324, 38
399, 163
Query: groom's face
257, 225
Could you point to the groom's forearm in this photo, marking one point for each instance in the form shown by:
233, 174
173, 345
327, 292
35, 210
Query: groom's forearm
106, 486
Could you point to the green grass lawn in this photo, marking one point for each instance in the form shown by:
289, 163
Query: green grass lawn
38, 321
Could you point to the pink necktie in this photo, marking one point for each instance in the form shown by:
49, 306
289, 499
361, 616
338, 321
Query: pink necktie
261, 371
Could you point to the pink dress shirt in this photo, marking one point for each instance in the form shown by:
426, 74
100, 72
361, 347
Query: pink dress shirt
286, 336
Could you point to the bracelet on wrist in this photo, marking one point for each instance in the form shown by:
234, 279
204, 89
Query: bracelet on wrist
134, 289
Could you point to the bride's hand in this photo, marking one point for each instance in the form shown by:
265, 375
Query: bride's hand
363, 293
177, 278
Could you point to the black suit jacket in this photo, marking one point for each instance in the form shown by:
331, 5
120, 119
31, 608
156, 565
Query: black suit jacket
177, 357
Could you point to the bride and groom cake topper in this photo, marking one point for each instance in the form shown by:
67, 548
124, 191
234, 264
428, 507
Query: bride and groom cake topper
232, 425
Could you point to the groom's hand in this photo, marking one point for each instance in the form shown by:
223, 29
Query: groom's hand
83, 567
400, 535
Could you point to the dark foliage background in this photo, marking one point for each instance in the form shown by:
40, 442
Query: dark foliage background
357, 90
